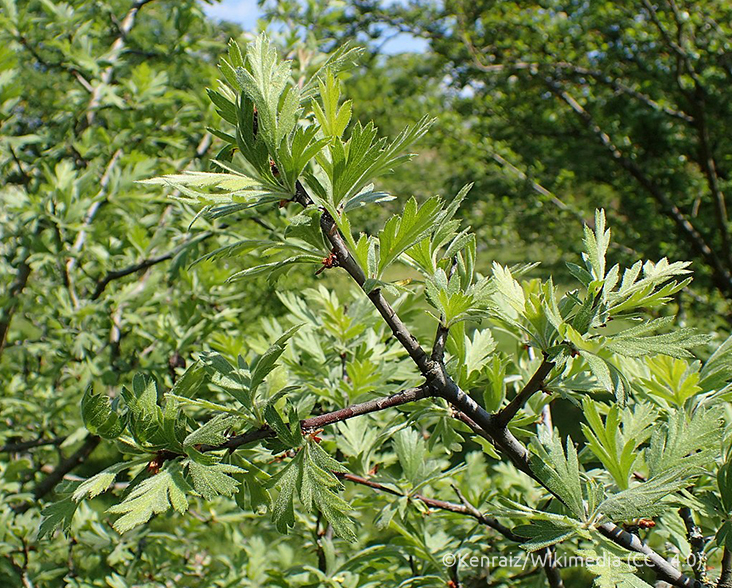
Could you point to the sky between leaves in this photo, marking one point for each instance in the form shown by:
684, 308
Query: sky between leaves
247, 12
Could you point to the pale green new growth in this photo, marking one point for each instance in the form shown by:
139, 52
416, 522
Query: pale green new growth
152, 496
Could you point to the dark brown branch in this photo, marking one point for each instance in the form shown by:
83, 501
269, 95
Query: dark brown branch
25, 445
347, 262
103, 282
725, 578
695, 537
438, 348
24, 174
551, 570
64, 467
535, 384
323, 420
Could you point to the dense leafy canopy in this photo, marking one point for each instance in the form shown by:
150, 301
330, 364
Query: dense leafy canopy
222, 420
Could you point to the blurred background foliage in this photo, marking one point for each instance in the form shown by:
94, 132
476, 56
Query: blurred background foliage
551, 108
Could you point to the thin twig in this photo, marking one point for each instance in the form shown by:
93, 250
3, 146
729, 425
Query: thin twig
462, 509
535, 384
25, 445
488, 521
103, 282
320, 421
59, 66
443, 330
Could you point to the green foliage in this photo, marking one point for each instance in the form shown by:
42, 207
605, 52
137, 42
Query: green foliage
152, 496
637, 90
615, 441
212, 479
100, 417
559, 471
310, 474
329, 414
610, 570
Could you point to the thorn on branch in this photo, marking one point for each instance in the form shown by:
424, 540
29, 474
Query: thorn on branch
329, 262
160, 458
314, 435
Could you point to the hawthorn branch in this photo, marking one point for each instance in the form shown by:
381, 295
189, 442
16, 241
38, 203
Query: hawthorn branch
347, 262
323, 420
665, 570
463, 509
64, 467
443, 330
103, 282
444, 387
725, 578
695, 537
25, 445
535, 384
